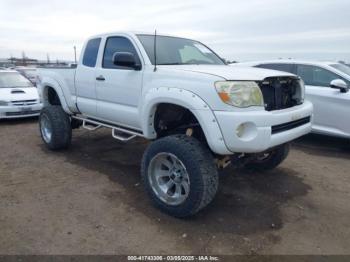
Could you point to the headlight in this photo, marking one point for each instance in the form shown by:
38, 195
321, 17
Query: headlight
240, 93
3, 103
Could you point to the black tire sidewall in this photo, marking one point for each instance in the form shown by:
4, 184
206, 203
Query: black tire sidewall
278, 155
60, 125
194, 167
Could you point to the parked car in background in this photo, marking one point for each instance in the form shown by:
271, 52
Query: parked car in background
18, 96
326, 86
29, 73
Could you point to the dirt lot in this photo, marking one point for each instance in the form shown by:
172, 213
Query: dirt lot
89, 200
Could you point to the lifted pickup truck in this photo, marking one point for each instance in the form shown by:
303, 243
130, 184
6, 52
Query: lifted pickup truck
199, 112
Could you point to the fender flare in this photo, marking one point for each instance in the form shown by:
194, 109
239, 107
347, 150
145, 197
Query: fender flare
46, 83
192, 102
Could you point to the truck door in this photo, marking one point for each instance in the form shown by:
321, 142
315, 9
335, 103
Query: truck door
118, 88
85, 79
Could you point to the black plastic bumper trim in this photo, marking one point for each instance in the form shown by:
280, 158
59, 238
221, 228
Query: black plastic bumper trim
290, 125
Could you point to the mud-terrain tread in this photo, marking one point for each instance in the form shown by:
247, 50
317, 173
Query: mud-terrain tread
279, 155
197, 157
61, 127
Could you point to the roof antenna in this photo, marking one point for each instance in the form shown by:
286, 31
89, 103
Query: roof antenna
155, 50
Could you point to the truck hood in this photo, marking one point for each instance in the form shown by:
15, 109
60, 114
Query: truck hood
18, 93
229, 72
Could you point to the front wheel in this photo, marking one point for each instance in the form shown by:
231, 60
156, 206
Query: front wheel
55, 127
180, 175
269, 159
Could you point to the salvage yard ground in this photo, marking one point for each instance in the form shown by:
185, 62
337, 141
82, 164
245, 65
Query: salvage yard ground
89, 200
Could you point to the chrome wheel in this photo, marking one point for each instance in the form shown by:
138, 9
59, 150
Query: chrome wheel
169, 179
45, 128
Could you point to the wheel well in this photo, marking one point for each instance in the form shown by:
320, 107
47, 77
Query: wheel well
172, 119
52, 97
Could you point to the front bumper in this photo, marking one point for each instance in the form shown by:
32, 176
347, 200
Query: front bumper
255, 131
20, 111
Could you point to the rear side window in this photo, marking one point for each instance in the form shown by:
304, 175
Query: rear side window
316, 76
280, 67
117, 44
91, 51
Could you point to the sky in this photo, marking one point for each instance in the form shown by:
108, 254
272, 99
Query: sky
240, 30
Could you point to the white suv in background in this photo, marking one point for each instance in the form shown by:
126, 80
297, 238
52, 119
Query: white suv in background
18, 97
326, 86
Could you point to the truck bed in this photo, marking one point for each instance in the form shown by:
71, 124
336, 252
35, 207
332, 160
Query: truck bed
65, 78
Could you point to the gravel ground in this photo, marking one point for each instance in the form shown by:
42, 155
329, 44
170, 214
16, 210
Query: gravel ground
89, 200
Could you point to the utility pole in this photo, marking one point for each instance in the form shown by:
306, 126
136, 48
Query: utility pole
12, 59
75, 54
24, 58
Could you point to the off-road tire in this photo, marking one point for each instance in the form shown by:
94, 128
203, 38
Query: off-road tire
278, 155
75, 123
202, 171
60, 127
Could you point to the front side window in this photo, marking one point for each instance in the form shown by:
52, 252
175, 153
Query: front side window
316, 76
280, 67
91, 51
118, 44
178, 51
13, 79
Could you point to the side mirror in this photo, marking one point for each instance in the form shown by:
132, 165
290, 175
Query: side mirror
340, 84
126, 59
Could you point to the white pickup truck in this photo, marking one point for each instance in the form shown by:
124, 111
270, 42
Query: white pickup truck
199, 112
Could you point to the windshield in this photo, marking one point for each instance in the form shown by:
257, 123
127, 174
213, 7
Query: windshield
342, 68
13, 79
178, 51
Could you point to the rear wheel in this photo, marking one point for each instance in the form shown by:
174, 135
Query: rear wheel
55, 127
269, 159
180, 175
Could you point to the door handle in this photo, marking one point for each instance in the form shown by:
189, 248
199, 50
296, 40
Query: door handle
100, 78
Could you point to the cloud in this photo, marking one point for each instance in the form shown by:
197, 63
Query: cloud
237, 29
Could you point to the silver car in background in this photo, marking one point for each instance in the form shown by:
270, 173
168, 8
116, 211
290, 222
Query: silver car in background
18, 97
326, 86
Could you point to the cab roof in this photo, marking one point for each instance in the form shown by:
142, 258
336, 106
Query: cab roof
132, 34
